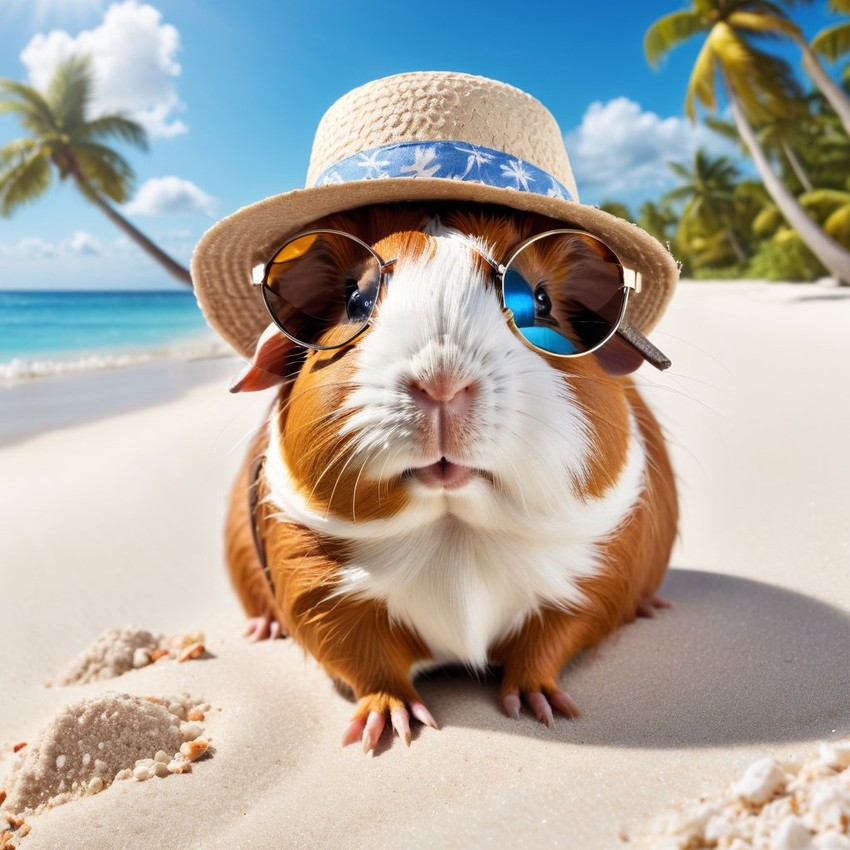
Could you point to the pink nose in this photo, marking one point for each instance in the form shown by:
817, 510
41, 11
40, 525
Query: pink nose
443, 392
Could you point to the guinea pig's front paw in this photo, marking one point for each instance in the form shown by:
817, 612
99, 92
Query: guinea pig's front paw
541, 699
264, 627
371, 717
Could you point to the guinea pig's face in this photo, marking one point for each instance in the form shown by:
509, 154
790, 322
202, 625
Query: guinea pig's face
438, 407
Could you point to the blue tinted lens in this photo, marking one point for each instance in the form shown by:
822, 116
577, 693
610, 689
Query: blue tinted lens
519, 298
548, 339
566, 293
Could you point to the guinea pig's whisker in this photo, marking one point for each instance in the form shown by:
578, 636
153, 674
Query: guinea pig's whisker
293, 397
340, 447
351, 457
354, 489
389, 456
247, 437
324, 418
540, 421
519, 489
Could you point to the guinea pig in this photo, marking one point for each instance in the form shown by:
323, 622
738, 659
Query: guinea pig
432, 488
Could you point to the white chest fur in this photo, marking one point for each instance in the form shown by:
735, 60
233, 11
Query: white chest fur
464, 570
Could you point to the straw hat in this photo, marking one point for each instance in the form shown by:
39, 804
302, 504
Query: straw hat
428, 136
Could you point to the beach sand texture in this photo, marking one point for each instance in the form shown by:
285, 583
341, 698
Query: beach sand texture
119, 520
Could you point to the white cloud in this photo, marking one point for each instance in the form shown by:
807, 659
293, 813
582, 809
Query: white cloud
83, 243
133, 59
80, 243
170, 196
30, 248
620, 151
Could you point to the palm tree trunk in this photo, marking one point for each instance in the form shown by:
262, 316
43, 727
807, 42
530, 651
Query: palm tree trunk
796, 165
736, 245
168, 263
838, 100
833, 256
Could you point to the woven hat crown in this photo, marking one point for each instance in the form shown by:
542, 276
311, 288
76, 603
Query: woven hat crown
437, 106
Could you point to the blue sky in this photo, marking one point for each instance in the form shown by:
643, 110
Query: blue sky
232, 92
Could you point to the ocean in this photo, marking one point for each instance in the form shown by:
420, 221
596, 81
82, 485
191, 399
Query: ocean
49, 333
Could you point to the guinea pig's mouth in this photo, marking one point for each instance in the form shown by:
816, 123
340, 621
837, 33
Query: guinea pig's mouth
444, 474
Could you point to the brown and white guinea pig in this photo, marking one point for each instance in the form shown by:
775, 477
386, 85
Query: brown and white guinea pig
438, 492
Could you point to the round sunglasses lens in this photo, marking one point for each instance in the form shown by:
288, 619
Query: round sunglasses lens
321, 287
565, 291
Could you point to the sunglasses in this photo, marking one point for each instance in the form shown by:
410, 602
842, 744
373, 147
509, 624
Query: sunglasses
564, 292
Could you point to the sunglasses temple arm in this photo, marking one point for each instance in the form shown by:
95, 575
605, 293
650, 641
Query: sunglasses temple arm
640, 343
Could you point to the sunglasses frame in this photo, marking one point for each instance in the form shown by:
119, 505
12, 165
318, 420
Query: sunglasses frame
383, 270
631, 283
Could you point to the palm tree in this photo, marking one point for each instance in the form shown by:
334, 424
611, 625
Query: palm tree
757, 86
832, 43
780, 136
708, 193
616, 208
64, 137
657, 219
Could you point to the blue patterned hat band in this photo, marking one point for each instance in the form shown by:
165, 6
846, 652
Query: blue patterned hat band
448, 161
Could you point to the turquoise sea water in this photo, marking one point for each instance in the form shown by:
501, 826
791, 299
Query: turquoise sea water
52, 332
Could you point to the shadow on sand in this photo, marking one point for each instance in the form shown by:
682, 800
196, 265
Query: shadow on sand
734, 662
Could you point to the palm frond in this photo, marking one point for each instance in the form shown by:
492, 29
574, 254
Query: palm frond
839, 6
833, 42
824, 201
28, 103
767, 221
701, 82
16, 151
764, 24
24, 182
670, 31
69, 91
726, 129
104, 171
837, 225
764, 84
713, 250
118, 125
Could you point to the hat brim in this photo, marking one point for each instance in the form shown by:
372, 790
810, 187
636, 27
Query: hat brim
228, 251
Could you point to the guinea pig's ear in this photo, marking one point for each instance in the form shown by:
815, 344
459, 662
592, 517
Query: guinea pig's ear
271, 364
627, 349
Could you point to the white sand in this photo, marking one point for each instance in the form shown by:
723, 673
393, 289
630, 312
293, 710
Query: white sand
120, 520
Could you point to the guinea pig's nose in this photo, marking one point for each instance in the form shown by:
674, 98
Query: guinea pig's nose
443, 391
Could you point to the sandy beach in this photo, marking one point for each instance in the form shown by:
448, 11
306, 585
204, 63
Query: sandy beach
113, 490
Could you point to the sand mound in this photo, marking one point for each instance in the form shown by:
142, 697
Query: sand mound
93, 741
118, 651
770, 807
110, 655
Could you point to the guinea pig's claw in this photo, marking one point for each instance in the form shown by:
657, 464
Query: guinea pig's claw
423, 715
354, 731
647, 605
541, 708
542, 704
373, 729
511, 703
264, 627
401, 723
562, 702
